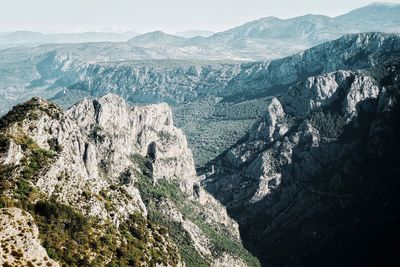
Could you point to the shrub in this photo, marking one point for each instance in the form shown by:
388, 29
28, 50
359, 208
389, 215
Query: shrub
4, 143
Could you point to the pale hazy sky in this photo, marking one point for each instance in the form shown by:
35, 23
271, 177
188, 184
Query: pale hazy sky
148, 15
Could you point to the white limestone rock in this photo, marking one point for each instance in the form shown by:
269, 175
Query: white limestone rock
97, 140
19, 240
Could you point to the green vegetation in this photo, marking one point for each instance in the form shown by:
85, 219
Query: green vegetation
221, 241
35, 158
16, 180
143, 163
32, 110
188, 252
75, 240
4, 143
24, 189
125, 178
96, 133
54, 145
38, 159
329, 124
212, 126
71, 238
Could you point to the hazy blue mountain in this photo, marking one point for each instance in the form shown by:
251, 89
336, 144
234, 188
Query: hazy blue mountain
194, 33
374, 17
157, 38
271, 37
279, 37
158, 67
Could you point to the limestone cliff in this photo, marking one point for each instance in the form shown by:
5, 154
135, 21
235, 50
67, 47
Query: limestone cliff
107, 183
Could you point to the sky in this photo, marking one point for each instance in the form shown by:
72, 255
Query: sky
149, 15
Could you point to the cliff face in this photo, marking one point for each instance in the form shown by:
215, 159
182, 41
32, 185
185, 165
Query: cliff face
117, 183
315, 180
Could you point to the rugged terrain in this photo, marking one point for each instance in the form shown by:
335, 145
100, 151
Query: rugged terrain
105, 183
216, 103
207, 96
315, 181
301, 151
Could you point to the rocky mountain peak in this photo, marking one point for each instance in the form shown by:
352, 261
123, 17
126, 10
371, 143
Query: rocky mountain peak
107, 167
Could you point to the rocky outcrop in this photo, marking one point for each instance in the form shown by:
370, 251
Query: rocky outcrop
103, 169
323, 91
315, 179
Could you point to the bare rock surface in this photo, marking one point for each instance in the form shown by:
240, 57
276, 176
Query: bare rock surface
19, 239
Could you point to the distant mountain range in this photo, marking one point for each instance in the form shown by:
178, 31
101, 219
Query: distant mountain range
265, 38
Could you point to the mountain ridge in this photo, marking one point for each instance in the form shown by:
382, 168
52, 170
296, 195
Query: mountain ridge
122, 177
315, 166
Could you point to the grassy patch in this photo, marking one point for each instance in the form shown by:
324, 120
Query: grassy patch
188, 252
164, 189
221, 241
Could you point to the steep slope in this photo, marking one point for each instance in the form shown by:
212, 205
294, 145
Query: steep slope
315, 181
107, 183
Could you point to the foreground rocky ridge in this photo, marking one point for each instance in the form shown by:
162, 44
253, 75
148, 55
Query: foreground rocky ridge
107, 183
314, 182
